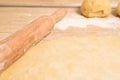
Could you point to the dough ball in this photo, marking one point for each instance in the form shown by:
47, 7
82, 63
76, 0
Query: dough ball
118, 10
95, 8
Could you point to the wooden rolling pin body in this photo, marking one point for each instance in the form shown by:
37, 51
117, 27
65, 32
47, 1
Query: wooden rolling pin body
17, 44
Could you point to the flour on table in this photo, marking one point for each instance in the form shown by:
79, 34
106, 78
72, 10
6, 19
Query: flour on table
77, 20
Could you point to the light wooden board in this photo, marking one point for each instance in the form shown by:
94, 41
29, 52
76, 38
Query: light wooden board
13, 19
41, 2
60, 3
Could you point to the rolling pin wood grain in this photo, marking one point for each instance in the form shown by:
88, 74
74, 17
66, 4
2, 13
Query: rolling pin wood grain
17, 44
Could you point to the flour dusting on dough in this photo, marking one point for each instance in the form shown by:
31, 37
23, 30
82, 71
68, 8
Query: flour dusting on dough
2, 65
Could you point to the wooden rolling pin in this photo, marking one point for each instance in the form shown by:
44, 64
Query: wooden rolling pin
17, 44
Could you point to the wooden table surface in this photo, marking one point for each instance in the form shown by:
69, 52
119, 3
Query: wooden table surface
53, 3
15, 14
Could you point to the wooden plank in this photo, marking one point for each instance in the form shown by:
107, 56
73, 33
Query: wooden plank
13, 19
73, 3
4, 35
41, 2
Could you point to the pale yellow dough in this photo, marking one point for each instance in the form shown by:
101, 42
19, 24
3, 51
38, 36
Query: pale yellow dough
118, 9
95, 8
72, 58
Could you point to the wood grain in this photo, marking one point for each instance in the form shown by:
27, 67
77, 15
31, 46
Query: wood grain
41, 2
58, 3
14, 18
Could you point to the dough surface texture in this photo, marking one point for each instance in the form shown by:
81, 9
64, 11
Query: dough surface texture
69, 58
95, 8
118, 9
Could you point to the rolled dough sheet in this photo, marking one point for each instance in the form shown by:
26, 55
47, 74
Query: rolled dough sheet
69, 58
